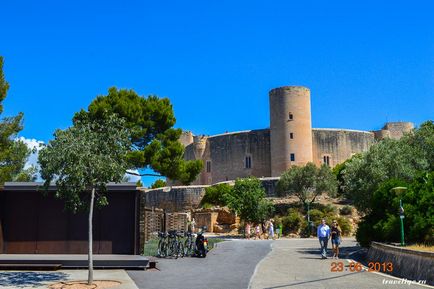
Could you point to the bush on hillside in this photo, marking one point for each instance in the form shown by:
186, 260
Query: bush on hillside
346, 210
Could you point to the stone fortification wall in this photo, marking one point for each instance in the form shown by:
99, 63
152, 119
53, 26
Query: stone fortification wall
186, 138
409, 264
394, 130
339, 144
226, 155
174, 199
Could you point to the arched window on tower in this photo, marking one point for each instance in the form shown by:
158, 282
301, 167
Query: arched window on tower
326, 159
248, 162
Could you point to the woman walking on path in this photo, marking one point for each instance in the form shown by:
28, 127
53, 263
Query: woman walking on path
257, 232
247, 231
271, 229
335, 236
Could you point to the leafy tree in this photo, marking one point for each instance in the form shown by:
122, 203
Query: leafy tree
382, 223
158, 184
307, 182
247, 199
338, 171
82, 160
216, 195
13, 153
400, 159
154, 141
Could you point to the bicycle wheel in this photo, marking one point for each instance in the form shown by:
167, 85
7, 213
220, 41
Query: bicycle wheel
161, 250
171, 248
180, 249
188, 247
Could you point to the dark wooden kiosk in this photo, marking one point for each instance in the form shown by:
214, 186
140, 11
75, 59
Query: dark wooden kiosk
35, 228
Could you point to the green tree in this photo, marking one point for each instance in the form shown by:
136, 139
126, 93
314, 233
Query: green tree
382, 223
400, 159
154, 141
216, 195
82, 160
307, 182
158, 184
13, 153
247, 199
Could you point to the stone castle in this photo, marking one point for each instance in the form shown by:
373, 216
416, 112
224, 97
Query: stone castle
289, 141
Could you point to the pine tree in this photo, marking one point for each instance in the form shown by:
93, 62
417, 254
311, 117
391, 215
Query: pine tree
13, 153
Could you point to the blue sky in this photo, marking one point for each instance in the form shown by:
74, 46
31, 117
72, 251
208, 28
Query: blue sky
365, 62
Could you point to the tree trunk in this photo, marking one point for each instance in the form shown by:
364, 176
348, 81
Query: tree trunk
90, 258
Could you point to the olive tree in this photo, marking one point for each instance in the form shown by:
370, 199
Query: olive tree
247, 199
81, 160
307, 183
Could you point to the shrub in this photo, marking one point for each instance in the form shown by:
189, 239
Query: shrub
329, 210
215, 195
293, 223
316, 216
158, 184
346, 210
345, 225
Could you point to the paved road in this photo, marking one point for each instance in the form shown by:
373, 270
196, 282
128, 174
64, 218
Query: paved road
228, 266
295, 263
242, 264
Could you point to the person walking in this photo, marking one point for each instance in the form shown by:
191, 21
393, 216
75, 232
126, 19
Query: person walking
335, 237
271, 229
323, 233
257, 232
193, 225
247, 230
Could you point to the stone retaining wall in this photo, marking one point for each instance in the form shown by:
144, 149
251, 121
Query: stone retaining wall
174, 199
409, 264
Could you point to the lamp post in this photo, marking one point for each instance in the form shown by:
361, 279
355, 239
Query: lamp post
399, 191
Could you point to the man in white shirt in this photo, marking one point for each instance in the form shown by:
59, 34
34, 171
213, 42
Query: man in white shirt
323, 233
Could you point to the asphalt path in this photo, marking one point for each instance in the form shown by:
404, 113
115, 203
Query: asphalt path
296, 263
286, 263
230, 265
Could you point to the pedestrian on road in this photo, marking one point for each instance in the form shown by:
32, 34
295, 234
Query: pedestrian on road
257, 232
193, 225
335, 236
271, 229
323, 233
247, 230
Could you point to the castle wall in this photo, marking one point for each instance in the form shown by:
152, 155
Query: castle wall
394, 130
174, 199
339, 144
228, 154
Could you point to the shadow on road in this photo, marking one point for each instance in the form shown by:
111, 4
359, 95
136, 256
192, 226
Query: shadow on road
344, 252
313, 281
29, 279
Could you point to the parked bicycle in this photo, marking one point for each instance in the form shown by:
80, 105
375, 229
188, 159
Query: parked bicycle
189, 244
162, 244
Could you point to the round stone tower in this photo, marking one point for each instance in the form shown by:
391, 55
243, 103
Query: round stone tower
290, 128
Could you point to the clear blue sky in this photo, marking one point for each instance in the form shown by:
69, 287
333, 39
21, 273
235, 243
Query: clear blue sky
366, 62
